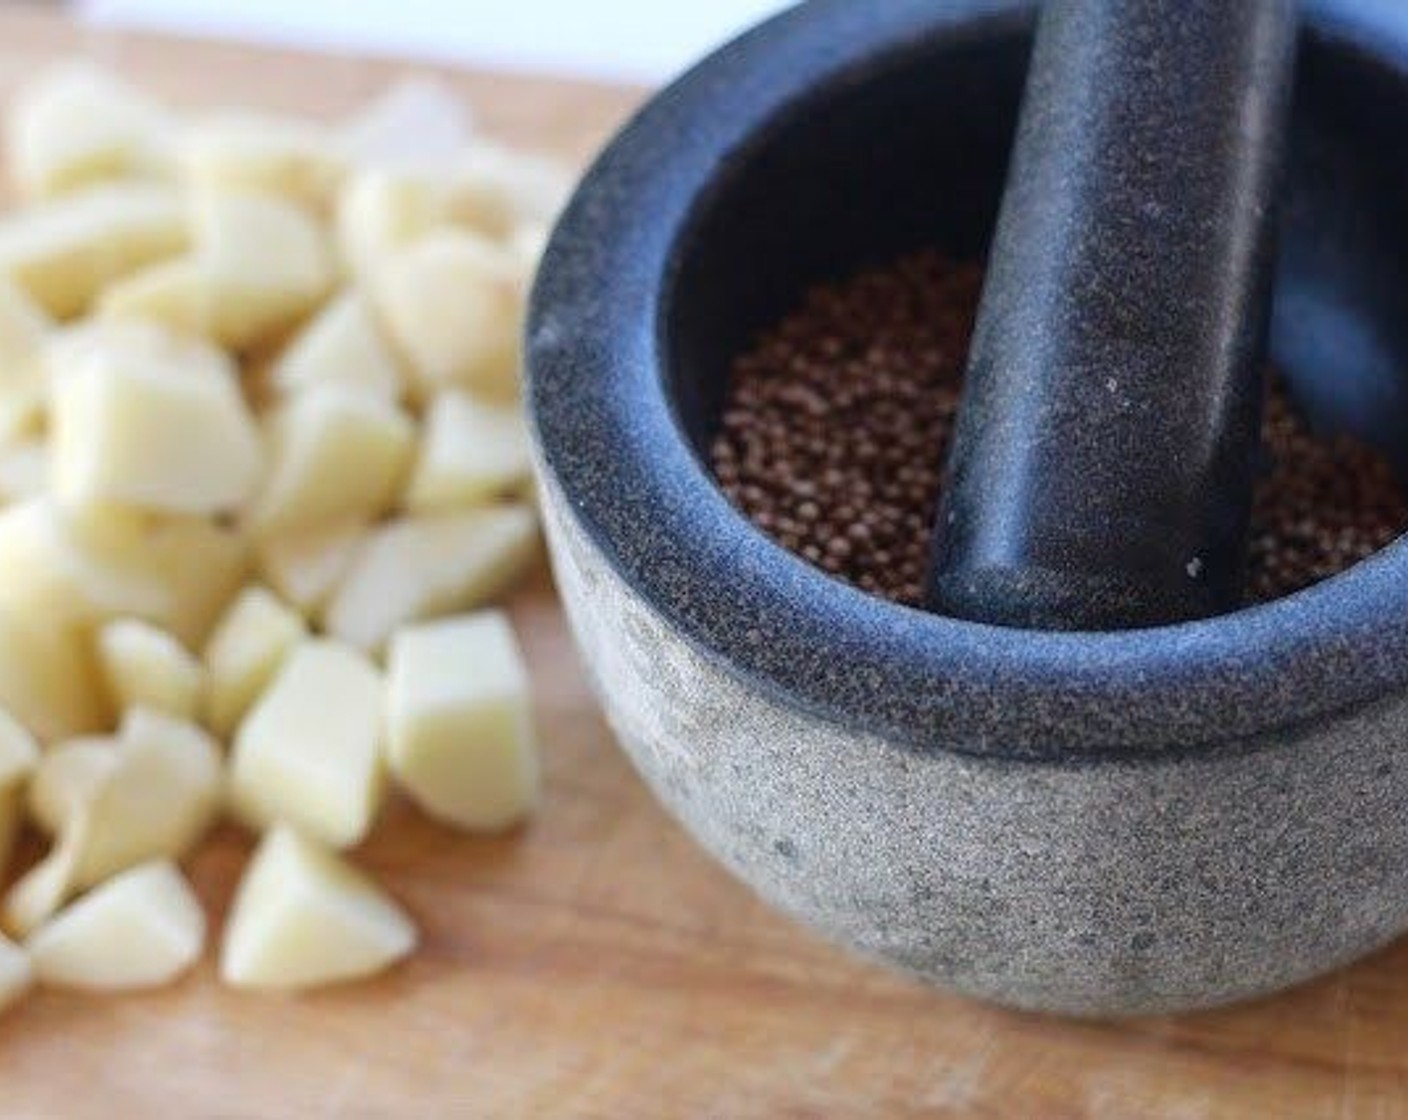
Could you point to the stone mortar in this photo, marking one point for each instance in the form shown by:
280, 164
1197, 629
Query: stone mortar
1087, 823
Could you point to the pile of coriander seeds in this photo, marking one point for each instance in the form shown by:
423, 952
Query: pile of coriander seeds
836, 427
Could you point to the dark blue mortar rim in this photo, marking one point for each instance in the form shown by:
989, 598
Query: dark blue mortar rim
614, 447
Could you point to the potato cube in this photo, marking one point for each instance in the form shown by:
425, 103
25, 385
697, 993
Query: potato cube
67, 777
146, 667
306, 565
334, 453
309, 752
420, 566
37, 895
19, 755
77, 125
470, 454
452, 304
204, 565
16, 973
245, 651
63, 567
48, 678
24, 470
383, 210
303, 918
163, 795
159, 425
342, 346
260, 264
142, 929
244, 151
459, 726
24, 386
498, 188
64, 252
416, 123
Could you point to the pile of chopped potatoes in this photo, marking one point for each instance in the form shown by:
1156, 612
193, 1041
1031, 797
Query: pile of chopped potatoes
262, 472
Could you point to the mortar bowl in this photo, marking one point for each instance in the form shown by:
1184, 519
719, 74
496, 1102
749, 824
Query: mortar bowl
1086, 823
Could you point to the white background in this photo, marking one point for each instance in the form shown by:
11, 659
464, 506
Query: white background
641, 40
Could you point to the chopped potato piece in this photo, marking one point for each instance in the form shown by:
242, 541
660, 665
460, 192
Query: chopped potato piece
309, 752
452, 303
24, 470
144, 666
37, 895
24, 386
204, 565
497, 188
77, 125
415, 567
245, 651
19, 754
302, 918
416, 123
306, 565
67, 777
470, 453
16, 973
527, 244
57, 566
342, 346
161, 798
458, 722
140, 930
240, 150
232, 289
383, 210
155, 422
334, 453
64, 252
48, 678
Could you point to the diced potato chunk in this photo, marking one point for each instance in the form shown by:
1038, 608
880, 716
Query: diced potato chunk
77, 125
37, 895
58, 566
158, 424
260, 265
24, 387
19, 754
470, 453
64, 252
415, 567
48, 678
146, 667
245, 651
452, 304
415, 124
383, 210
306, 565
497, 188
334, 453
161, 798
309, 752
204, 565
303, 918
341, 346
142, 929
67, 777
16, 973
459, 726
285, 156
24, 470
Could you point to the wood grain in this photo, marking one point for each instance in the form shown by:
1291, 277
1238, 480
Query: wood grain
597, 964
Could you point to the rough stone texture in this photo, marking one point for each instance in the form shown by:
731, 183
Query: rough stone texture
1116, 888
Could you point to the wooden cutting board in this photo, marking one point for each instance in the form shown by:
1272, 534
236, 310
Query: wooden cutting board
598, 964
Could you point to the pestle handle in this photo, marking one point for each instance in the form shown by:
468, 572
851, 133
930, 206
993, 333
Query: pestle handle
1101, 472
